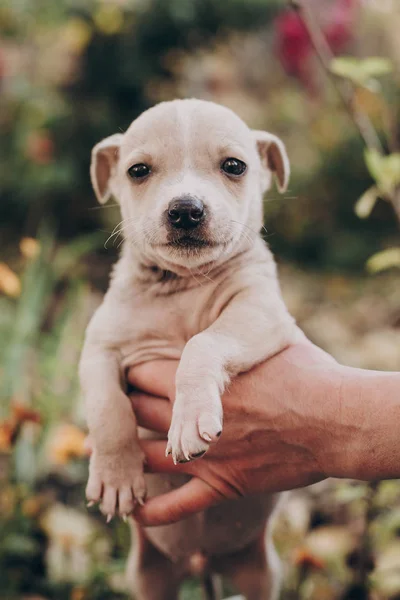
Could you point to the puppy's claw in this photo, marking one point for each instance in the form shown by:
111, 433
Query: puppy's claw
125, 518
109, 519
90, 503
140, 501
206, 437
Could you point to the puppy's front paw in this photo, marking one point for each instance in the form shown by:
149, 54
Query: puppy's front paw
116, 481
193, 428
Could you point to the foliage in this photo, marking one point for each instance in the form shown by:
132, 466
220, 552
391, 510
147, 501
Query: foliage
362, 72
383, 168
89, 72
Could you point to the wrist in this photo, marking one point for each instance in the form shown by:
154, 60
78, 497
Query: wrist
360, 441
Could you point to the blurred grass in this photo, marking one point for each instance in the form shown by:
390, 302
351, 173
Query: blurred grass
42, 277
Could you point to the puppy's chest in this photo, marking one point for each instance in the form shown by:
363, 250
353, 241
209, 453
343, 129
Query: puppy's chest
160, 325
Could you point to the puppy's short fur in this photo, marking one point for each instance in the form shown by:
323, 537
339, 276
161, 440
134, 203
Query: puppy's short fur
195, 283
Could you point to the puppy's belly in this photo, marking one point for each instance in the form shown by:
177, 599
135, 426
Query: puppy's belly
222, 529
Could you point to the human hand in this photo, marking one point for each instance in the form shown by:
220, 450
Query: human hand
273, 419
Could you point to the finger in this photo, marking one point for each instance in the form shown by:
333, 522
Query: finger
151, 412
156, 378
157, 462
194, 496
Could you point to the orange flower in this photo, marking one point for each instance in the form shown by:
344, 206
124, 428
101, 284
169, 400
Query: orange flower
67, 441
9, 428
305, 559
78, 593
29, 247
9, 281
22, 413
6, 436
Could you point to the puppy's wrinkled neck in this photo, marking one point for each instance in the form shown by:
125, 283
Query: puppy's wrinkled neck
148, 270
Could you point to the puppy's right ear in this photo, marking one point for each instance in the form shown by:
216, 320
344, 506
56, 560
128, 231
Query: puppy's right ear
105, 156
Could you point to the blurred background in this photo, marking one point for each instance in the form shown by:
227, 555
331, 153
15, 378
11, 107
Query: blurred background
325, 77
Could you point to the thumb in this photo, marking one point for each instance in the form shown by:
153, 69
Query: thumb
156, 378
194, 496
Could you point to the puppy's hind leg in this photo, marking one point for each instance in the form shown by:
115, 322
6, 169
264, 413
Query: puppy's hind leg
255, 571
150, 574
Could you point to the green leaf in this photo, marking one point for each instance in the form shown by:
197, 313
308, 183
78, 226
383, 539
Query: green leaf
386, 259
373, 160
384, 169
391, 170
362, 72
349, 68
376, 66
20, 545
366, 202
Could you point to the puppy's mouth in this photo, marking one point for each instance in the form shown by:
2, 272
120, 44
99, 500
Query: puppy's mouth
190, 242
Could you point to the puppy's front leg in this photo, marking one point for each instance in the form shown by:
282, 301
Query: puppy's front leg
116, 464
253, 326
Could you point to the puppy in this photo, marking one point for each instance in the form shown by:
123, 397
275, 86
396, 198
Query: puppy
196, 283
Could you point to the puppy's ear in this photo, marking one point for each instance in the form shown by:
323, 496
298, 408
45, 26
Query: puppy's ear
273, 157
105, 156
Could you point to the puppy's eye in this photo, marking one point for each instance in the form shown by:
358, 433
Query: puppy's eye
139, 171
234, 166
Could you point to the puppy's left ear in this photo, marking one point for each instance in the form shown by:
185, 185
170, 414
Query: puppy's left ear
273, 157
105, 157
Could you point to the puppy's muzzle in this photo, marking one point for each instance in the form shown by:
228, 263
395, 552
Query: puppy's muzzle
185, 213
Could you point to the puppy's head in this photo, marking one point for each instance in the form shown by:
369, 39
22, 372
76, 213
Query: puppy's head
189, 176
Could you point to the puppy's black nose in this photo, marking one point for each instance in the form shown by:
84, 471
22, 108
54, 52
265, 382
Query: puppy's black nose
186, 212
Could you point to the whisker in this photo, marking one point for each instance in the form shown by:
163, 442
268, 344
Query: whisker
263, 228
103, 207
205, 275
195, 278
118, 229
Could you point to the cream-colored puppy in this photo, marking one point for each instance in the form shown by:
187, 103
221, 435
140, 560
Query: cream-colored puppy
195, 282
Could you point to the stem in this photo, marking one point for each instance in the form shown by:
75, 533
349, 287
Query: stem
324, 53
345, 90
